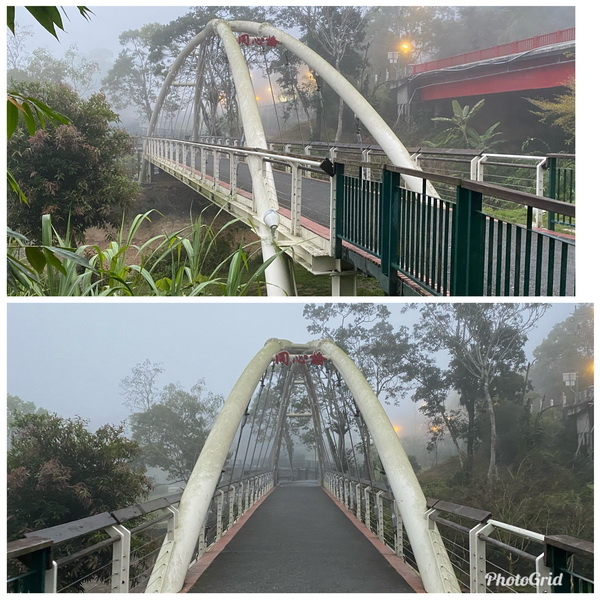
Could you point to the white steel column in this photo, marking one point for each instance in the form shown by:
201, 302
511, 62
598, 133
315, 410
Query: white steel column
169, 574
277, 275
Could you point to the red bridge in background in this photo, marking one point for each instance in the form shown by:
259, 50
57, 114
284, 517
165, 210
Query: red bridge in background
540, 62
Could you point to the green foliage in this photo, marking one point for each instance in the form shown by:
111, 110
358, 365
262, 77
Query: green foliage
365, 333
48, 17
461, 132
15, 407
172, 431
69, 170
176, 264
568, 348
171, 424
560, 111
73, 69
135, 79
59, 471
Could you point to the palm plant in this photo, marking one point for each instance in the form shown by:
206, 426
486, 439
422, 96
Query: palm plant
461, 130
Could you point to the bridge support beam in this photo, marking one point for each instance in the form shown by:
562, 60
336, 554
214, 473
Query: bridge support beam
343, 282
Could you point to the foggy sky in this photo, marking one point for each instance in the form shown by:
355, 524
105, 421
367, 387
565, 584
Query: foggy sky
69, 357
102, 31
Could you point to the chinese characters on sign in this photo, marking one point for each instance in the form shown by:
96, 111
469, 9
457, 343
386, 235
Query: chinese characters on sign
284, 358
246, 40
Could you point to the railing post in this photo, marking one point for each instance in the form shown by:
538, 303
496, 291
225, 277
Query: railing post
368, 507
296, 199
388, 227
51, 579
358, 502
202, 539
399, 541
543, 585
121, 558
468, 237
338, 230
247, 496
220, 502
193, 154
366, 157
231, 506
552, 175
203, 159
477, 560
216, 168
233, 174
379, 505
172, 522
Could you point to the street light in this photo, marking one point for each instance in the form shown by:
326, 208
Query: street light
406, 47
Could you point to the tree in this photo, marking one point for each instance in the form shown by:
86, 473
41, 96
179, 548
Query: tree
486, 340
172, 431
139, 388
560, 111
59, 471
134, 79
69, 170
16, 50
16, 407
568, 348
363, 331
336, 32
383, 356
72, 70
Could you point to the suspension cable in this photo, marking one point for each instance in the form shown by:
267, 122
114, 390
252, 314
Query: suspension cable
272, 94
294, 85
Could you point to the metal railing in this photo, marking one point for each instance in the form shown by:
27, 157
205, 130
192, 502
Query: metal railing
115, 552
561, 170
487, 555
214, 170
451, 247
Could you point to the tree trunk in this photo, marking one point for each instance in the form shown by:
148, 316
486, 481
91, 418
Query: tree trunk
453, 437
492, 469
470, 406
340, 121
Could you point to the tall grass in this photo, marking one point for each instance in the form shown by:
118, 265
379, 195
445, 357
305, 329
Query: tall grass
175, 264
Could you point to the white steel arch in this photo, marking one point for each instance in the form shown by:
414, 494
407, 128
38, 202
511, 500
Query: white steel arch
430, 554
277, 274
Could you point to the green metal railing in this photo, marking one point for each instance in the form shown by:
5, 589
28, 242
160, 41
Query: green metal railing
561, 186
450, 246
562, 552
28, 562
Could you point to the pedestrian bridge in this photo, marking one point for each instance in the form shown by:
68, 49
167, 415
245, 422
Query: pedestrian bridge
383, 211
252, 519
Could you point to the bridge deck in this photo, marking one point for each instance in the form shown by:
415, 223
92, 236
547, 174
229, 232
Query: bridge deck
297, 541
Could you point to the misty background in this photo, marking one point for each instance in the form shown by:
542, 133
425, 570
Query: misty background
69, 357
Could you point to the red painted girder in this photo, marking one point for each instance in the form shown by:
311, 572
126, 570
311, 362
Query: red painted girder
542, 77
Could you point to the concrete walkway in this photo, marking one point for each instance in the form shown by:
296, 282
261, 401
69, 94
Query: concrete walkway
299, 541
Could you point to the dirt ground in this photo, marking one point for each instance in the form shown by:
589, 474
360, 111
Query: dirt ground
175, 206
